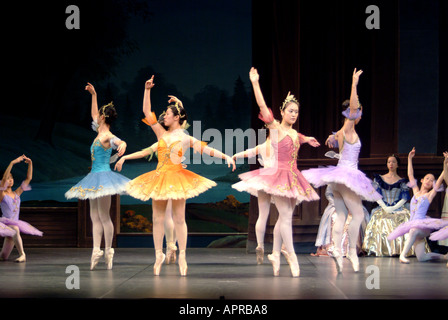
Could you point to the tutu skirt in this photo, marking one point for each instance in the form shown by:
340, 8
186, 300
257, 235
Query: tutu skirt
442, 234
277, 182
170, 184
6, 231
23, 226
423, 224
98, 184
352, 178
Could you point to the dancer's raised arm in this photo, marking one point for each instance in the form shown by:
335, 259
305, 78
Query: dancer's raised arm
254, 79
354, 99
150, 117
94, 107
411, 177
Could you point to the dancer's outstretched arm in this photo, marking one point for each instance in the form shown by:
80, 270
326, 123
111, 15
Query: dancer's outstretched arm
136, 155
411, 177
445, 167
201, 147
254, 79
94, 107
149, 114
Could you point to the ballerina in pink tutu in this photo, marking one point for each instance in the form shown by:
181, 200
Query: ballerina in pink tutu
282, 181
350, 185
10, 225
419, 225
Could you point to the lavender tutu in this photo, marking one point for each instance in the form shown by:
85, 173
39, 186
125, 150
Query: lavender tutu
6, 231
418, 219
283, 178
23, 226
442, 234
346, 172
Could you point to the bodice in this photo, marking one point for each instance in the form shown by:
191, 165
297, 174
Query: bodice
286, 150
350, 154
419, 207
100, 157
170, 156
10, 207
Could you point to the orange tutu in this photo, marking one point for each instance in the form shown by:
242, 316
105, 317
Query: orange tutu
168, 181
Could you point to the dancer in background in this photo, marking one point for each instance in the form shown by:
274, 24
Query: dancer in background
101, 183
393, 210
442, 234
350, 186
283, 182
10, 224
170, 180
266, 158
170, 236
419, 225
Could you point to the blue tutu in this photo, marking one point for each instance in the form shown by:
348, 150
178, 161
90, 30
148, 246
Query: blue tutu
101, 181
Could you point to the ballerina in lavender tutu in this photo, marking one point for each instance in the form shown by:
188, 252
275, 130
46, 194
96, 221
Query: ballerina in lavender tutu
350, 185
283, 182
10, 224
419, 225
442, 234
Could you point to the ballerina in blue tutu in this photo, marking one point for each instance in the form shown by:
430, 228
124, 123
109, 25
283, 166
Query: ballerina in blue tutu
101, 183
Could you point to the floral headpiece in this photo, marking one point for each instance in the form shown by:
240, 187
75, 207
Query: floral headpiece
103, 108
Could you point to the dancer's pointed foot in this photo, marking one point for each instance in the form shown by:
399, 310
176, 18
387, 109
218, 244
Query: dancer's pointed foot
170, 253
182, 263
337, 257
293, 264
353, 257
275, 261
404, 260
260, 255
160, 257
109, 257
96, 256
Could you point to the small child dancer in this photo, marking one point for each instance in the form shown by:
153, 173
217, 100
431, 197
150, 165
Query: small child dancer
419, 225
10, 225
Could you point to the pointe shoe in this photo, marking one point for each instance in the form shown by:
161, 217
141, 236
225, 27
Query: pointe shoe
109, 256
160, 257
96, 256
353, 257
275, 260
182, 263
337, 257
286, 255
20, 259
293, 264
404, 260
260, 254
170, 253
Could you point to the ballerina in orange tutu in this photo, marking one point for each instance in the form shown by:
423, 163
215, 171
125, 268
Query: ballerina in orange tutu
171, 180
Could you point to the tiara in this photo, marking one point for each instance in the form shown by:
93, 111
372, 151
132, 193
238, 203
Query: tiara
103, 108
289, 98
178, 109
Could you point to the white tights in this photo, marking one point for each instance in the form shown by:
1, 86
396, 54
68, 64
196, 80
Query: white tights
346, 200
283, 227
264, 205
159, 208
9, 243
417, 238
101, 221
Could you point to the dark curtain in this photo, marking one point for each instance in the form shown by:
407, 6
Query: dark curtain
443, 78
311, 48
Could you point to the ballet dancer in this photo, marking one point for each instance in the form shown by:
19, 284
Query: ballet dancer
350, 186
170, 180
10, 224
419, 225
266, 158
170, 236
283, 182
101, 182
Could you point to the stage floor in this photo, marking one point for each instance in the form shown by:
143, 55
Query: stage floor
215, 274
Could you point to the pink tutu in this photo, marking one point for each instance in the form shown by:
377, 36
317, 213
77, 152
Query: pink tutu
442, 234
351, 177
423, 224
23, 226
277, 182
6, 231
